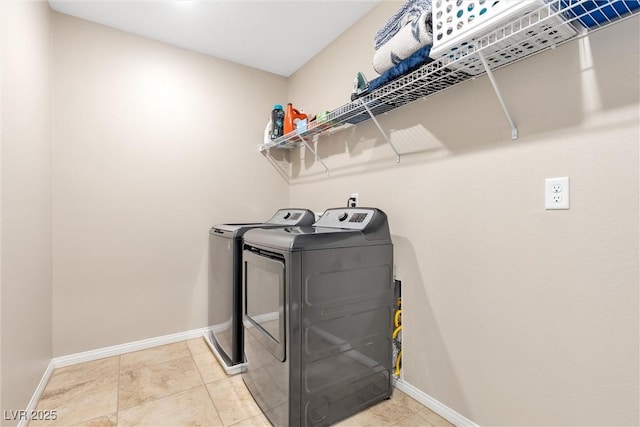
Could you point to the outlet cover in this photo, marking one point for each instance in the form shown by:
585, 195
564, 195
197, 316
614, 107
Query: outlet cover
556, 193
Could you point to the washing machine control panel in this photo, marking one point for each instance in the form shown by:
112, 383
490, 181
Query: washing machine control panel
351, 218
291, 217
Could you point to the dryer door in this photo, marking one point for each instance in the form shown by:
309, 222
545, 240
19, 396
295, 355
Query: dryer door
264, 305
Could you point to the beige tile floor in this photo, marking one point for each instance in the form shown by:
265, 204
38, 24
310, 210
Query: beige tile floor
182, 384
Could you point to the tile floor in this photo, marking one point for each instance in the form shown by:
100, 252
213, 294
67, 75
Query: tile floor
181, 384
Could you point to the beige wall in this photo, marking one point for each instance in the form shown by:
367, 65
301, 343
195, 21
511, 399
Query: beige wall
25, 268
513, 315
152, 146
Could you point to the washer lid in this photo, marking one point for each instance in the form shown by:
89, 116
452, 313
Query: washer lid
337, 228
282, 218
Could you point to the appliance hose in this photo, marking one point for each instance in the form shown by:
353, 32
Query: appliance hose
398, 361
397, 324
396, 332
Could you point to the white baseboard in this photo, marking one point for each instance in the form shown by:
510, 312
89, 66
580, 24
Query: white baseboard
88, 356
436, 406
33, 403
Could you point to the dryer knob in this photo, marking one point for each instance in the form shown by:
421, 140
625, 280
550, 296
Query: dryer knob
343, 216
288, 214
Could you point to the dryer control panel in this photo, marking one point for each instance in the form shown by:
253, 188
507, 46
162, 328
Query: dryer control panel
292, 217
351, 218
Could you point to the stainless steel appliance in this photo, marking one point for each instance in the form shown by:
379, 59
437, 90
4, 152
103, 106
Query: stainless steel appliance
318, 317
224, 333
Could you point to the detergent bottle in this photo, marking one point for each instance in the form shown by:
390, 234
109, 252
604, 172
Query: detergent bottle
290, 115
277, 121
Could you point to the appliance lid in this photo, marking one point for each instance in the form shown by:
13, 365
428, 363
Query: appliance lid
234, 227
282, 218
337, 228
231, 231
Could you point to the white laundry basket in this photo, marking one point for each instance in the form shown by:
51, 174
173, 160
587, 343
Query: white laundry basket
504, 29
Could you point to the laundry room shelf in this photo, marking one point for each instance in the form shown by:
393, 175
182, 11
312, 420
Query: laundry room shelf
553, 23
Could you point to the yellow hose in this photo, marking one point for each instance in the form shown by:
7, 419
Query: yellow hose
396, 332
396, 318
397, 323
397, 371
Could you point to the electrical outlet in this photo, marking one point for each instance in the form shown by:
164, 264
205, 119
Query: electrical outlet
354, 200
556, 193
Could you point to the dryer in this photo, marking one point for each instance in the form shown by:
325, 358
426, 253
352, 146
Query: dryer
317, 314
224, 334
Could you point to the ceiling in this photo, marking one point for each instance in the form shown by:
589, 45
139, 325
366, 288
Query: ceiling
274, 36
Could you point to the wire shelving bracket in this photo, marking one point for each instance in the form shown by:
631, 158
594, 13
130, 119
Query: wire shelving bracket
514, 129
304, 141
274, 163
384, 134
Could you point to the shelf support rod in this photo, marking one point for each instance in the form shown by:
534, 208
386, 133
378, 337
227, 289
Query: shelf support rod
304, 141
514, 129
384, 134
275, 164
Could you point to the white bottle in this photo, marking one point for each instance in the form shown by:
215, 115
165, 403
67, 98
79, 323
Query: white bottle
267, 132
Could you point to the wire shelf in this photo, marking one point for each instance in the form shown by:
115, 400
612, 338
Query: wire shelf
554, 23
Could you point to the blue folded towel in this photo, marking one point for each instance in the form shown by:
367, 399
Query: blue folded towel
407, 41
409, 12
419, 58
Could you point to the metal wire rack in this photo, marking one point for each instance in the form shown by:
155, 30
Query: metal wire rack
554, 23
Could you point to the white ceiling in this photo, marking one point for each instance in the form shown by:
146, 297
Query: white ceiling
274, 36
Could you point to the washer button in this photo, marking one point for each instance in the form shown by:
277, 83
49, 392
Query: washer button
343, 216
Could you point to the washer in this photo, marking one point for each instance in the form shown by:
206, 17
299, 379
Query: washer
224, 334
318, 317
